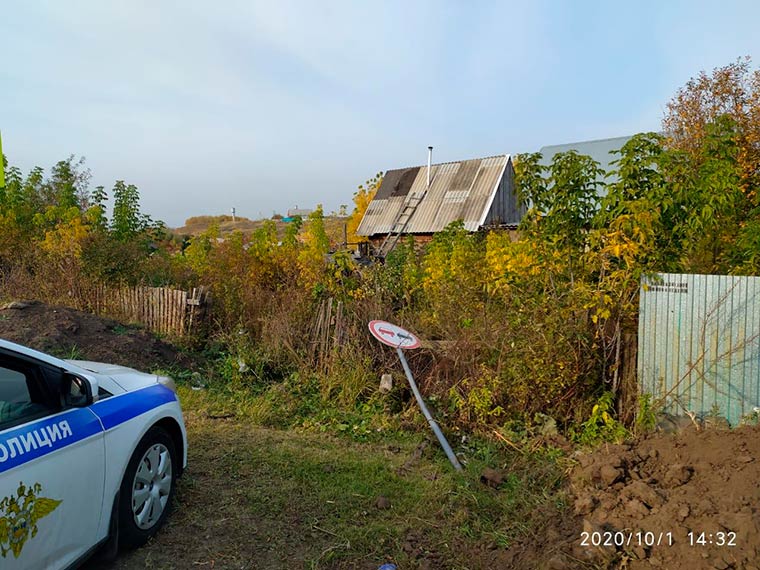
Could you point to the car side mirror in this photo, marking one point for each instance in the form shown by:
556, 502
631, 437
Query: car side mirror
77, 392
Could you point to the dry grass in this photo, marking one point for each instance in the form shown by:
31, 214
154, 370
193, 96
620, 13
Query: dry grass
199, 224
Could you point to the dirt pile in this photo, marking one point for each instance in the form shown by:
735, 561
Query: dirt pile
67, 333
690, 500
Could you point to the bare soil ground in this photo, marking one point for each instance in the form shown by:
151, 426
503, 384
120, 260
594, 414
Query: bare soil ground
70, 334
256, 498
667, 485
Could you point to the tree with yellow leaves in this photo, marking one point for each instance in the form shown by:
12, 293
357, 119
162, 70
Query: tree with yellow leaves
732, 91
362, 198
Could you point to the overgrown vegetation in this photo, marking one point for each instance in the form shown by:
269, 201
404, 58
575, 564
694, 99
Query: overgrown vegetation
313, 500
519, 327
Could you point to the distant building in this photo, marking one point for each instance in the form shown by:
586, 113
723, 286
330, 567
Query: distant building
303, 212
480, 192
600, 150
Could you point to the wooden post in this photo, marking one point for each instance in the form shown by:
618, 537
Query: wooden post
183, 312
192, 301
170, 318
175, 315
629, 383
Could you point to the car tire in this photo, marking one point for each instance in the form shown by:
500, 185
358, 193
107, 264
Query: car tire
148, 488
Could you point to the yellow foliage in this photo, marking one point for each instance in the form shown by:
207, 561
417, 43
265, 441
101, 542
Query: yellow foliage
453, 260
311, 257
508, 261
197, 253
732, 90
362, 198
67, 238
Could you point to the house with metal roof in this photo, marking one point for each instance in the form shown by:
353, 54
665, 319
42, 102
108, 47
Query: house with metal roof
296, 211
423, 200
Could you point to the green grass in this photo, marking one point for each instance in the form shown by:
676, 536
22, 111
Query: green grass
120, 329
311, 496
71, 353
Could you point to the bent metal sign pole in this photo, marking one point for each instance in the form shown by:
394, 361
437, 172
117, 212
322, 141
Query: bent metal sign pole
399, 338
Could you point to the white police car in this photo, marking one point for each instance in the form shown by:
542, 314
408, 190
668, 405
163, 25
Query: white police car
89, 457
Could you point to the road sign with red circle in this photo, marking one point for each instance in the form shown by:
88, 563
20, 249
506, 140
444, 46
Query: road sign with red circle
392, 335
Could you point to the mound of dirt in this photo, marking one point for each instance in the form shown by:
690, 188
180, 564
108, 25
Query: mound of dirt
67, 333
635, 505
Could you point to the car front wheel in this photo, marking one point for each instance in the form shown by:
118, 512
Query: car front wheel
148, 487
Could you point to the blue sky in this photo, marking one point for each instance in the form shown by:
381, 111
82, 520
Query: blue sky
268, 105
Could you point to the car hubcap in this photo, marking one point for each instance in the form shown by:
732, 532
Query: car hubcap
152, 485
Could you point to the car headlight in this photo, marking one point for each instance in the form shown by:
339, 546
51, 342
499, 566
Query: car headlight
168, 382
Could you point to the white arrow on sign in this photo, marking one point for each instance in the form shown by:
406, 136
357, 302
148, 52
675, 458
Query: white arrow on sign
392, 335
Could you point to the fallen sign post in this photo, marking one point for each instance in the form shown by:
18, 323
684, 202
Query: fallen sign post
399, 338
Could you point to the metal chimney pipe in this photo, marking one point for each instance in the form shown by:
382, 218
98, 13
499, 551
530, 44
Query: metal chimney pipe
430, 159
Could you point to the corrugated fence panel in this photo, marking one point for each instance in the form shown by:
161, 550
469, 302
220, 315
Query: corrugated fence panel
699, 344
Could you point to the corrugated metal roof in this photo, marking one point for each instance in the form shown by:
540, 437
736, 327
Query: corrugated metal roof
458, 191
599, 150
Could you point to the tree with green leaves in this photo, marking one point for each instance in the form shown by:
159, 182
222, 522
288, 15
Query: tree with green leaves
127, 222
563, 198
67, 186
706, 207
96, 213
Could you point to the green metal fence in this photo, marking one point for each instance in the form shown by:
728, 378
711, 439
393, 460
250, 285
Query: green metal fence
699, 344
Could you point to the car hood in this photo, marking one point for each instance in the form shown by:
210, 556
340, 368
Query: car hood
128, 378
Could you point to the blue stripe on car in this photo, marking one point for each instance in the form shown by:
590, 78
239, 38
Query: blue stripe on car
119, 409
80, 423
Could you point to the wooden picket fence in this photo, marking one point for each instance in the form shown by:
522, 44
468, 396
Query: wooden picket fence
327, 331
172, 312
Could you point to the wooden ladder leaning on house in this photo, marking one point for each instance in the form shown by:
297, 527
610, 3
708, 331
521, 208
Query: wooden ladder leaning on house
399, 224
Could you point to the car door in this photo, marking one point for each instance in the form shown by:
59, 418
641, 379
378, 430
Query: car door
51, 468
